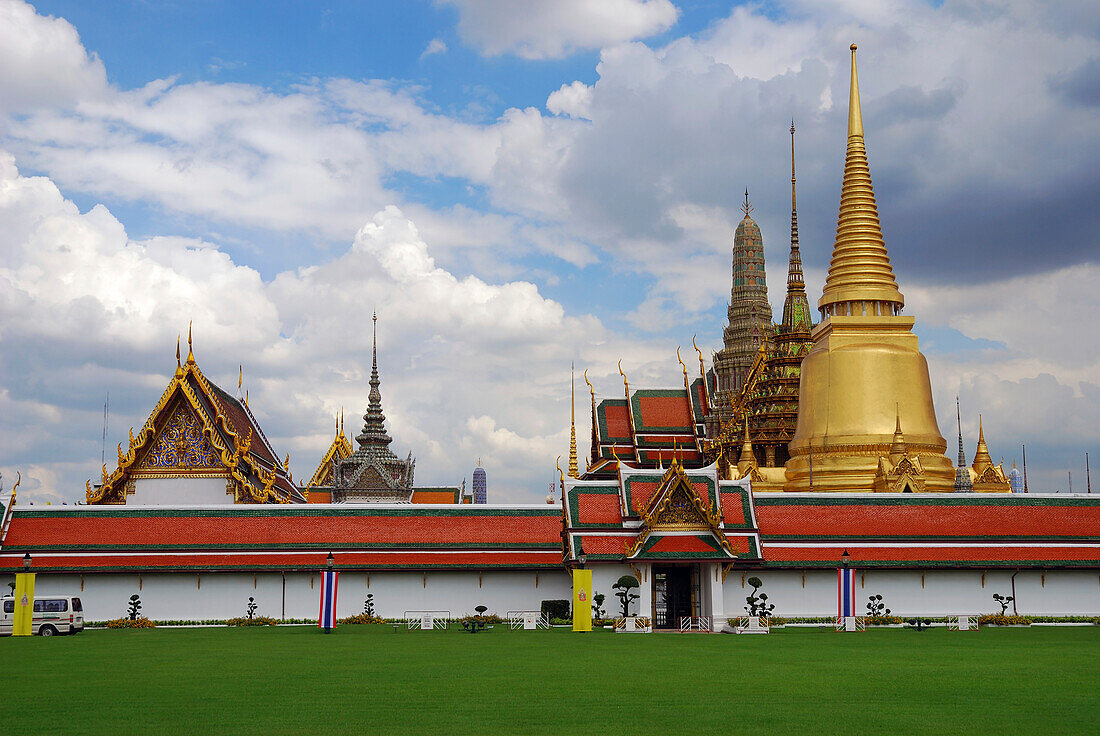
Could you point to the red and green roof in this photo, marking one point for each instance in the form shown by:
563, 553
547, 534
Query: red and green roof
285, 537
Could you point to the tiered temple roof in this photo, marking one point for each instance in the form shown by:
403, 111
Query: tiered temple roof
199, 430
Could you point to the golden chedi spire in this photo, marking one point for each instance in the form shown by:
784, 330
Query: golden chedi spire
860, 271
865, 368
897, 447
982, 460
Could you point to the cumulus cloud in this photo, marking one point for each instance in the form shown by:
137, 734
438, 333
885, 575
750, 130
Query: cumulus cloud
43, 60
573, 100
532, 29
469, 368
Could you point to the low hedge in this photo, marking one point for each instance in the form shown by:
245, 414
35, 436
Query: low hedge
130, 623
254, 621
362, 618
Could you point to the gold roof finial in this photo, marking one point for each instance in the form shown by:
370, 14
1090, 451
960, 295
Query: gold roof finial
179, 365
860, 267
561, 475
190, 352
982, 460
898, 449
626, 385
574, 472
702, 369
18, 480
240, 378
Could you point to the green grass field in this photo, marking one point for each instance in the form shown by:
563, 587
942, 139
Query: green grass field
369, 679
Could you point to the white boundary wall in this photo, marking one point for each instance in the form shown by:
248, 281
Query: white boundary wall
927, 593
812, 593
218, 595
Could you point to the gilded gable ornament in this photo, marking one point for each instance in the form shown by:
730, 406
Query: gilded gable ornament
181, 445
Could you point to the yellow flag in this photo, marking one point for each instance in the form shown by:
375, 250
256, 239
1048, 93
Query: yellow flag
23, 625
582, 600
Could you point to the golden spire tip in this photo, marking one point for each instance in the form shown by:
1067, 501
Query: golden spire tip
855, 114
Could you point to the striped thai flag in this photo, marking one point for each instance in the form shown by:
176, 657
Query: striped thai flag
326, 619
845, 592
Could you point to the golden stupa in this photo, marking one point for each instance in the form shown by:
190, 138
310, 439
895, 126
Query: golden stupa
865, 377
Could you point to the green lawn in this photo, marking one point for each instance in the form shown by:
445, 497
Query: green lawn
368, 679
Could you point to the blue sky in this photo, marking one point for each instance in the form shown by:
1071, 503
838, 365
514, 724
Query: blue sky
552, 183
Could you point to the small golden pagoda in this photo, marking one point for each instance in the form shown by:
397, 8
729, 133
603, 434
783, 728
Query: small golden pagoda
865, 375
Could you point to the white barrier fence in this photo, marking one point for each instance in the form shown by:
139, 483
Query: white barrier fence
963, 622
851, 623
695, 623
753, 625
426, 620
528, 620
634, 625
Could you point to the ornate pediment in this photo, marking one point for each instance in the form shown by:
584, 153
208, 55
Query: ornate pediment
677, 506
180, 446
679, 512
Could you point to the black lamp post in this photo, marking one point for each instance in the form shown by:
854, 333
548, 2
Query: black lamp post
845, 558
581, 559
27, 562
330, 561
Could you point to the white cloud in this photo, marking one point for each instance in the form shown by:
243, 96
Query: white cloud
435, 46
532, 29
574, 100
43, 60
469, 368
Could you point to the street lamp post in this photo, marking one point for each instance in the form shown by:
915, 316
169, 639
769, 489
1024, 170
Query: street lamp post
27, 562
581, 559
845, 558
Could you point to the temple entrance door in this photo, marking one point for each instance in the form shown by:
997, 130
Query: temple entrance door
673, 594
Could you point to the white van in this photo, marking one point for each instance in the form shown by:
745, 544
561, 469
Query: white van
52, 615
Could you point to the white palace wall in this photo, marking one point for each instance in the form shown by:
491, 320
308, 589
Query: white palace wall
220, 595
927, 593
794, 592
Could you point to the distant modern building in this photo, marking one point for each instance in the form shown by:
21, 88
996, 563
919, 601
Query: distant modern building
481, 486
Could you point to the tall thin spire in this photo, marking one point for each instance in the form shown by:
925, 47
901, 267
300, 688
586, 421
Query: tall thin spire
962, 473
574, 472
374, 421
860, 270
796, 306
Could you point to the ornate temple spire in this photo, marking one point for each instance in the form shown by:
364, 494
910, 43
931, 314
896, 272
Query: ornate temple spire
374, 421
982, 460
860, 270
574, 472
796, 307
897, 447
962, 474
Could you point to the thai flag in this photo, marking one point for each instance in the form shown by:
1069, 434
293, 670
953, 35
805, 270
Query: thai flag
327, 617
845, 592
